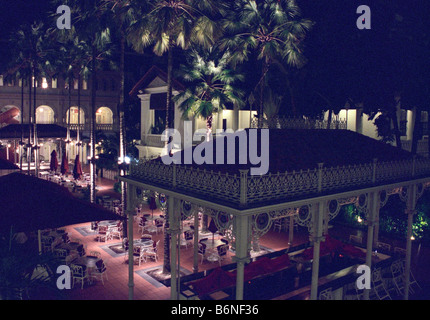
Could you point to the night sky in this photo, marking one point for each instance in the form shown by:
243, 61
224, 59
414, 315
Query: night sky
343, 60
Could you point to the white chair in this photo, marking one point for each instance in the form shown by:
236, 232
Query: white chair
385, 247
202, 251
138, 253
80, 273
159, 223
326, 294
400, 251
104, 233
100, 271
188, 237
398, 276
378, 286
146, 237
61, 254
278, 224
355, 239
95, 254
412, 280
222, 252
116, 232
152, 252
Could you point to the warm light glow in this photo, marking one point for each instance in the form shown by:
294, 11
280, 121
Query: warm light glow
412, 238
44, 83
359, 219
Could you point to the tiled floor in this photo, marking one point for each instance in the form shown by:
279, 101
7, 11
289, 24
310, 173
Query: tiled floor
116, 287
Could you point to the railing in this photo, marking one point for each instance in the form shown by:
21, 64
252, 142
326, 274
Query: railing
300, 123
247, 189
153, 140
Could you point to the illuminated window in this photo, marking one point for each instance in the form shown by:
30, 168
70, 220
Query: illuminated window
44, 114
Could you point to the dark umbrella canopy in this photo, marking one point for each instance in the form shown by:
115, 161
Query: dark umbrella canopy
212, 228
29, 204
64, 164
77, 169
7, 165
54, 161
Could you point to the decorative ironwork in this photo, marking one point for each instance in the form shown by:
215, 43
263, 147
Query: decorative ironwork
304, 216
279, 186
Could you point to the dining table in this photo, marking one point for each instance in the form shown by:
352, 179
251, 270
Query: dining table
88, 261
71, 246
212, 243
143, 243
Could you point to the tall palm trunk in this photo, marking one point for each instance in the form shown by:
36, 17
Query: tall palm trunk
93, 126
122, 137
35, 142
30, 83
21, 142
169, 86
78, 132
264, 69
68, 118
166, 258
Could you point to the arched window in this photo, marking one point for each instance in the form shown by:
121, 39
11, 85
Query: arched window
104, 119
104, 115
75, 116
44, 114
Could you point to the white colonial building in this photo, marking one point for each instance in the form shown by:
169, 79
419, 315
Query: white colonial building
54, 107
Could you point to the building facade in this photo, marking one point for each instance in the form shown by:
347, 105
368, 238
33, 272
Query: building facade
56, 105
151, 91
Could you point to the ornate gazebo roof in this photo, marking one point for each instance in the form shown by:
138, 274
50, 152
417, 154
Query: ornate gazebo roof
302, 164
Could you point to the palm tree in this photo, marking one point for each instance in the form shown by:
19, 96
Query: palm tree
124, 13
31, 43
176, 24
91, 25
270, 29
169, 24
212, 86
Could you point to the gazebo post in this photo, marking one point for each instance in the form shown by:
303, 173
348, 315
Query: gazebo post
291, 230
174, 231
373, 208
410, 211
317, 216
242, 257
196, 242
130, 211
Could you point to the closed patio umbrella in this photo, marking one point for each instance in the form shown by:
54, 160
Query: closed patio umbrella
77, 169
53, 166
64, 164
213, 228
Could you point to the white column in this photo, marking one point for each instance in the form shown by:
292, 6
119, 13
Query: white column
317, 216
145, 115
241, 233
235, 118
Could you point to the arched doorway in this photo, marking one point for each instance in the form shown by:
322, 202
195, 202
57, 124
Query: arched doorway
75, 116
45, 115
104, 118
